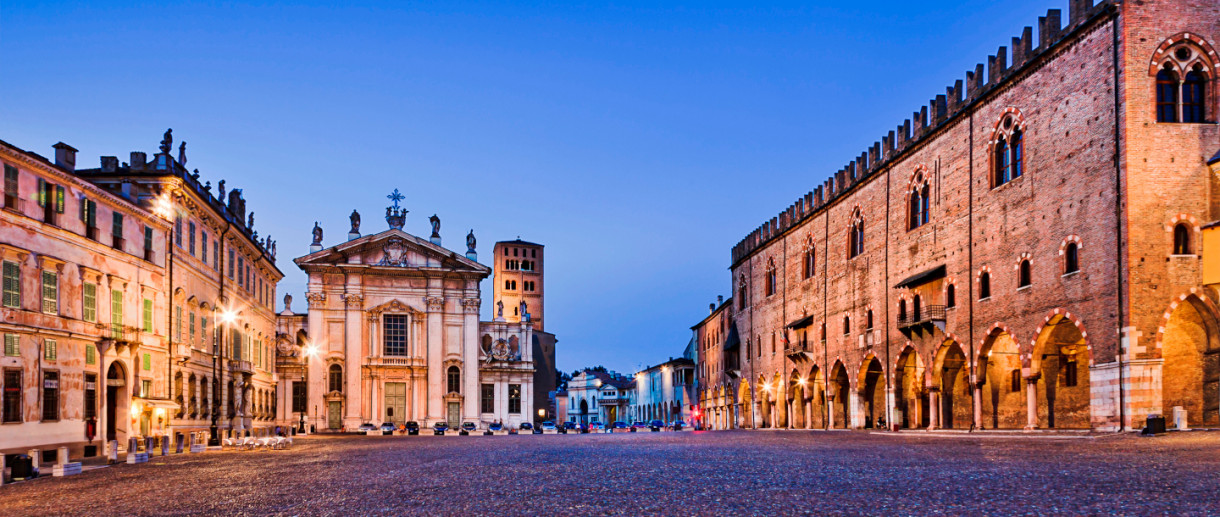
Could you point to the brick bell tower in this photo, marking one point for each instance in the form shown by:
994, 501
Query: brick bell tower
518, 273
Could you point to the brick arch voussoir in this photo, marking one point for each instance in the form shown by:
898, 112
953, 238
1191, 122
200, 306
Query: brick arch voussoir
1028, 356
1200, 294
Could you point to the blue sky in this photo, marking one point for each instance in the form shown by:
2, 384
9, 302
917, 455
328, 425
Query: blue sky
638, 142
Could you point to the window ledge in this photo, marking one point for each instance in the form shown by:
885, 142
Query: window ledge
984, 299
1184, 255
1070, 274
1024, 288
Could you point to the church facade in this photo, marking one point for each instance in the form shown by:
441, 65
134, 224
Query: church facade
392, 334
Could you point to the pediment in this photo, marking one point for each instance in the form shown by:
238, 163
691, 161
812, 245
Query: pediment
393, 306
393, 248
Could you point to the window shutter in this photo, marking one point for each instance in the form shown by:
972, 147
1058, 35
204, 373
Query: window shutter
42, 192
59, 199
84, 209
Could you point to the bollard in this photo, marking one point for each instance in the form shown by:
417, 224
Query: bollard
2, 467
148, 445
34, 457
165, 445
63, 456
112, 451
1179, 418
178, 443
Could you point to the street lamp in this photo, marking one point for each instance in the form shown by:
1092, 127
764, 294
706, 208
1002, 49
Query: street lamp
163, 207
309, 351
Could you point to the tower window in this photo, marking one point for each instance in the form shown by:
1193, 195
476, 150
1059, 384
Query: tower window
1023, 274
1181, 239
950, 296
1167, 95
1071, 260
985, 285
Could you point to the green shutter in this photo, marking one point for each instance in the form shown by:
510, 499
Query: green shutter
50, 292
148, 315
90, 354
116, 313
50, 349
12, 345
90, 302
147, 363
41, 195
59, 199
12, 285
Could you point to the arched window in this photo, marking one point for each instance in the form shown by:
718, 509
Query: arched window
1181, 239
336, 378
810, 262
950, 296
918, 203
1017, 150
823, 332
902, 310
454, 379
856, 245
1167, 95
868, 320
1194, 96
1071, 260
741, 292
771, 278
846, 325
1003, 172
916, 308
1023, 275
985, 285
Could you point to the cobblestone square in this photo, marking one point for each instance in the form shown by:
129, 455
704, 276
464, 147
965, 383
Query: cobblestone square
722, 473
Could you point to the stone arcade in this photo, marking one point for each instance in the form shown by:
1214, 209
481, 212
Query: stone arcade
392, 334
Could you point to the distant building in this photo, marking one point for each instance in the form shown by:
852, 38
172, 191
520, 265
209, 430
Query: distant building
518, 281
599, 397
666, 391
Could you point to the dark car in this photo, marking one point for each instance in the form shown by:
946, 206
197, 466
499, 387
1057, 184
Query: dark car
619, 425
571, 426
439, 428
468, 427
678, 425
497, 426
638, 425
656, 425
412, 428
526, 426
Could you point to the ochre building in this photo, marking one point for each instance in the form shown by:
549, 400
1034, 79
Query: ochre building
1027, 251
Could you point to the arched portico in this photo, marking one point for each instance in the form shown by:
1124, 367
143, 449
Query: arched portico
1002, 392
1190, 349
955, 409
796, 400
872, 391
840, 392
1060, 368
910, 397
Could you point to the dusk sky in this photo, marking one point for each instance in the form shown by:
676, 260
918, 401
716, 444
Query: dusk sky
638, 142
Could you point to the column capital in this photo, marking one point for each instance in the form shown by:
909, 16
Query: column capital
435, 303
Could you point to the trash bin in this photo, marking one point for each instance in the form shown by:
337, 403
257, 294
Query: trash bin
1154, 425
22, 467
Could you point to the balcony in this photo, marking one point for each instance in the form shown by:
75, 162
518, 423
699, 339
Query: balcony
923, 321
241, 367
801, 351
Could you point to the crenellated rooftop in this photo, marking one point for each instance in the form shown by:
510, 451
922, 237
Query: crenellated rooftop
929, 119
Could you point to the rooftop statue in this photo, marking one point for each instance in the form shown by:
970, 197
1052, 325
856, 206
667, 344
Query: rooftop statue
317, 233
436, 226
470, 241
355, 217
182, 156
167, 141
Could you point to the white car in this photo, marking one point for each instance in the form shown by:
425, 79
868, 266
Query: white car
548, 426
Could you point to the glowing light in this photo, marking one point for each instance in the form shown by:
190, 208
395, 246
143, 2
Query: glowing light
227, 316
802, 381
135, 409
163, 207
310, 350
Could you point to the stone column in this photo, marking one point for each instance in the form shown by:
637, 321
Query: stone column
436, 350
933, 408
1031, 403
830, 412
315, 382
977, 391
470, 359
889, 407
856, 406
353, 345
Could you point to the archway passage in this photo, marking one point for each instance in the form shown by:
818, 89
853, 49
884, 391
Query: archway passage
796, 400
872, 392
744, 410
1061, 364
117, 400
815, 397
910, 397
840, 388
779, 402
956, 408
1190, 347
1003, 390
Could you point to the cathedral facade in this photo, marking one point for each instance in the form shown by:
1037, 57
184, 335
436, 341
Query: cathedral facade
392, 334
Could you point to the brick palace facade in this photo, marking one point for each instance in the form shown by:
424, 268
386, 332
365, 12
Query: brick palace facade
1025, 252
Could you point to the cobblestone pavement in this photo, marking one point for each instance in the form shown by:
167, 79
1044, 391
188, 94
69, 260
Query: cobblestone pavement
723, 473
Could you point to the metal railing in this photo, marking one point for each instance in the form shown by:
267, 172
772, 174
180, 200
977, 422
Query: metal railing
926, 314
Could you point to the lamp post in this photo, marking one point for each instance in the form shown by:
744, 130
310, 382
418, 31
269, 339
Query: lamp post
225, 318
309, 351
164, 208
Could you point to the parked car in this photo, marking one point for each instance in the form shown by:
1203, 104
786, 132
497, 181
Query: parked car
469, 427
526, 426
495, 426
548, 426
571, 426
367, 426
638, 425
618, 425
678, 425
439, 428
596, 426
412, 428
388, 427
656, 425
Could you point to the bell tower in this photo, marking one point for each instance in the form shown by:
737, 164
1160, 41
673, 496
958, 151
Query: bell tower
518, 277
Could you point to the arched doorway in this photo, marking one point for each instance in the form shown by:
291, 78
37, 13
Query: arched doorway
779, 402
953, 378
796, 400
840, 387
744, 415
1190, 347
584, 411
1003, 390
118, 400
1060, 363
872, 391
816, 396
764, 403
910, 397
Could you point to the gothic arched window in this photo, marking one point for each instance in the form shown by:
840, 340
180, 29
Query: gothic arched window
918, 203
985, 285
771, 280
856, 237
1194, 96
810, 261
1167, 95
